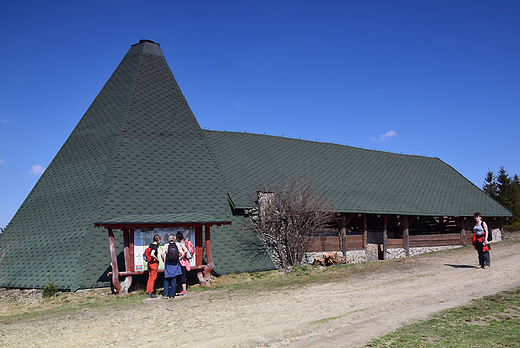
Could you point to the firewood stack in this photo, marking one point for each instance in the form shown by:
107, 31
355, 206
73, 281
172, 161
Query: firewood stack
329, 259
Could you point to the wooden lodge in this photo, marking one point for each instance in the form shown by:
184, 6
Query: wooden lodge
138, 159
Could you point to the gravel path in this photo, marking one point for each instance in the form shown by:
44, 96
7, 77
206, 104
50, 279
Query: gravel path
346, 313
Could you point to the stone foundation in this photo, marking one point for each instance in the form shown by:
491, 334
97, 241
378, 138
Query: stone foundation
358, 256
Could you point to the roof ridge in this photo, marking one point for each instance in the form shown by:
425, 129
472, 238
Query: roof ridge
318, 142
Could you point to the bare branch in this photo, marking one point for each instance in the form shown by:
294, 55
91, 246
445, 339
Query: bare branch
289, 216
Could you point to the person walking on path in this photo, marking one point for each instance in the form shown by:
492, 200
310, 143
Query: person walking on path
480, 241
153, 267
171, 254
185, 263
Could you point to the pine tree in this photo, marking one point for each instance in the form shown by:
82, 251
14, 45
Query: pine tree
505, 190
490, 185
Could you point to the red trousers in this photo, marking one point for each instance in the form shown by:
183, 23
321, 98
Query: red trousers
152, 276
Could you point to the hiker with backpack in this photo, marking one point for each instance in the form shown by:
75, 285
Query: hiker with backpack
153, 266
187, 248
171, 254
481, 238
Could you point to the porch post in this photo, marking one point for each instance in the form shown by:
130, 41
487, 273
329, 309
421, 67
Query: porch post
462, 223
365, 231
126, 252
205, 279
198, 245
115, 271
385, 237
406, 235
343, 233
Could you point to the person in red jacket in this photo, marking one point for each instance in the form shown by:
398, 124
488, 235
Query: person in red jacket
480, 241
153, 267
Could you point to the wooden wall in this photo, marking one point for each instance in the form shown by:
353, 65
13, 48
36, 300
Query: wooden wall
355, 242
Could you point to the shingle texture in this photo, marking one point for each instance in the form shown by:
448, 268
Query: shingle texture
356, 180
137, 152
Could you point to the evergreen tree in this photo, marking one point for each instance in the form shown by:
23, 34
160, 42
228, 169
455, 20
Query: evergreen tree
490, 185
506, 190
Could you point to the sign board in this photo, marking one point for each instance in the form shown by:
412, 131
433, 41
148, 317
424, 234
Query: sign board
143, 237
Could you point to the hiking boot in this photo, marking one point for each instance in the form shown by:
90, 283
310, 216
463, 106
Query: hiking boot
171, 297
151, 295
164, 297
182, 293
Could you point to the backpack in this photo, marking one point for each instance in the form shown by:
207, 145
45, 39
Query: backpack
189, 246
173, 252
147, 254
490, 233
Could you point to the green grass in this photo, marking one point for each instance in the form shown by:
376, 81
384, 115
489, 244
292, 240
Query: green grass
492, 321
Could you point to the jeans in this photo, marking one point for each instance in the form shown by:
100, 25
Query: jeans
170, 286
483, 258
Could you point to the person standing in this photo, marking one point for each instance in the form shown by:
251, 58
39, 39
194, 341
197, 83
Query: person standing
185, 263
480, 241
171, 254
153, 267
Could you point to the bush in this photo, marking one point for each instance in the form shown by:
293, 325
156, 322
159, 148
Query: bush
49, 290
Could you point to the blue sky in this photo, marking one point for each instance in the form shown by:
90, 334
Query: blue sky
433, 78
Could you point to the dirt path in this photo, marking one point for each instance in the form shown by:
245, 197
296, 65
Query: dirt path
346, 313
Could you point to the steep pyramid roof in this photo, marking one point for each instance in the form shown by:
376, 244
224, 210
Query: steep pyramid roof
138, 152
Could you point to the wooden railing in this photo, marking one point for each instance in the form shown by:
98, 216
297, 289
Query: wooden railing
355, 242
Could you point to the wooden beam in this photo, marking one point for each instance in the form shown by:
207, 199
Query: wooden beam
405, 221
205, 277
126, 250
132, 253
198, 245
342, 222
385, 237
462, 224
365, 231
113, 257
406, 235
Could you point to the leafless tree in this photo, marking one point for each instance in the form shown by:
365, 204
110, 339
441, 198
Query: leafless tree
289, 216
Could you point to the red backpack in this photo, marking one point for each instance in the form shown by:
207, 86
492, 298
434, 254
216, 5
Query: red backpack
147, 254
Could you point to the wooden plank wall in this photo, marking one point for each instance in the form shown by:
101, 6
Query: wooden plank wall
435, 240
395, 243
354, 242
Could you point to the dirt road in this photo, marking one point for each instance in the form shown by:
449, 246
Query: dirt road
346, 313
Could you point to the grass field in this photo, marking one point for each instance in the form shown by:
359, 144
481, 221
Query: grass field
492, 321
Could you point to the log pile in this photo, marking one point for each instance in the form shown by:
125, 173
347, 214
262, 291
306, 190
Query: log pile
329, 259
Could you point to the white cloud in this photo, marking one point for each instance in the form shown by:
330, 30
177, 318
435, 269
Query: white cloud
37, 170
385, 136
5, 120
2, 161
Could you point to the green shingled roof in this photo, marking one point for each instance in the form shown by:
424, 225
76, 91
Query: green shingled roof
357, 180
164, 219
138, 155
138, 152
